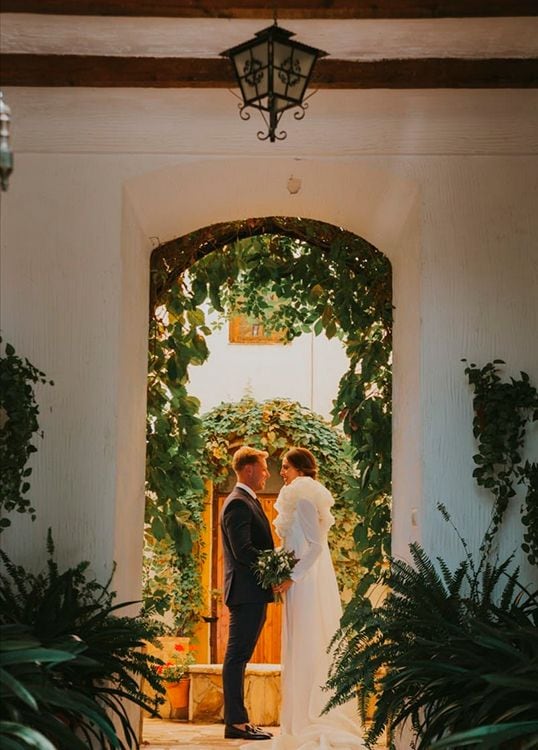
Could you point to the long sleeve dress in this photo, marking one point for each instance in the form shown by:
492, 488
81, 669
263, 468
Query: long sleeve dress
312, 612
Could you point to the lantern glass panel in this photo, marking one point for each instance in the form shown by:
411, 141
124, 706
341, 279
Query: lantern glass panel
251, 66
292, 70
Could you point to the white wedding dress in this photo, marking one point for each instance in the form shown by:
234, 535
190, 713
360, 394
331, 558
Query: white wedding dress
312, 612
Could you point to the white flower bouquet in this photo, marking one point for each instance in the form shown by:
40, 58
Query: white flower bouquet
274, 566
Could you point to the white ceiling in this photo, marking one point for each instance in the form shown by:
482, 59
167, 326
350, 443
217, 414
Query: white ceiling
342, 39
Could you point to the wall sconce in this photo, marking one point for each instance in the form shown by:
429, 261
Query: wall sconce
6, 154
273, 73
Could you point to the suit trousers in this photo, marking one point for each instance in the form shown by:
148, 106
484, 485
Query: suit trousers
246, 622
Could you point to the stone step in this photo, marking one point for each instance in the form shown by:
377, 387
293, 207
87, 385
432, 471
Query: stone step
262, 693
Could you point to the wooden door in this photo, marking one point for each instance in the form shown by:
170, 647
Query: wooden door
268, 647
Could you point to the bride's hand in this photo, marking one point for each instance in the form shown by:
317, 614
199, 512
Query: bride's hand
281, 588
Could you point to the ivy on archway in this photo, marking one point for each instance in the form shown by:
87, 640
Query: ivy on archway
297, 275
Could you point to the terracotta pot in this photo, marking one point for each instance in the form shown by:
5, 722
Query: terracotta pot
178, 696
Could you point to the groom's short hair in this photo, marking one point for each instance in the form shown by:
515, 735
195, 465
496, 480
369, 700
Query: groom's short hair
245, 456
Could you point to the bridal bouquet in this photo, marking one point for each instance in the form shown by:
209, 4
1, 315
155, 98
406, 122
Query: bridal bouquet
274, 566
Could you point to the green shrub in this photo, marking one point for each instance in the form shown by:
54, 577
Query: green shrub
69, 662
448, 651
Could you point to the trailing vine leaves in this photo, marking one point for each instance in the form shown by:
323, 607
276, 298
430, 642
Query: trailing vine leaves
502, 411
18, 424
310, 277
174, 489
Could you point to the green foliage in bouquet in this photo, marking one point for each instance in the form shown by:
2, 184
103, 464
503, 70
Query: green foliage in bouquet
450, 651
68, 662
273, 566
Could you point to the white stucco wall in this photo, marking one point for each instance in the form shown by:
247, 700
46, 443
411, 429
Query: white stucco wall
306, 370
445, 183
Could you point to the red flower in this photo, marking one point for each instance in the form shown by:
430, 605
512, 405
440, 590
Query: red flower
179, 647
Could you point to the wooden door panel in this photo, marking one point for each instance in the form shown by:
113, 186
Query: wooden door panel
267, 650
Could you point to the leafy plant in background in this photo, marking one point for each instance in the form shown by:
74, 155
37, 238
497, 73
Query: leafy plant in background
451, 651
68, 661
175, 496
171, 585
18, 424
502, 412
299, 276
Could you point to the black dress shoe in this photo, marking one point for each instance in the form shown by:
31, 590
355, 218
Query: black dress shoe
248, 733
256, 728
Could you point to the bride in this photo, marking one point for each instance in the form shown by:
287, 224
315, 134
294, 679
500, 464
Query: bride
312, 612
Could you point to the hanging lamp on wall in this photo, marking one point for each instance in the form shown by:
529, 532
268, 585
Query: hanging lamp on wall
273, 73
6, 154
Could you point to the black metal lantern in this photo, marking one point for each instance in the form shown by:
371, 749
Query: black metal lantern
273, 73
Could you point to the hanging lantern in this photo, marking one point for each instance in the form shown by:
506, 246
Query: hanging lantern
273, 73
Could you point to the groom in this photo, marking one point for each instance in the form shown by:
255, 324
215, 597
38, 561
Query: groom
245, 533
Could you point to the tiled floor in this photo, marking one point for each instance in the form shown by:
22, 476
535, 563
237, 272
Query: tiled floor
164, 734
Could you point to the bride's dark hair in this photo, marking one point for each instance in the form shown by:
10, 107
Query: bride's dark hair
302, 460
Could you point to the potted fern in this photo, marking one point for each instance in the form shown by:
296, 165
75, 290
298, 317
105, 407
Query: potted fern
452, 652
69, 661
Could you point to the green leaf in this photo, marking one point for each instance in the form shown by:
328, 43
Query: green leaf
30, 737
158, 529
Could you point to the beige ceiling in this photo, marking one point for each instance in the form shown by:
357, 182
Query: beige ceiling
204, 37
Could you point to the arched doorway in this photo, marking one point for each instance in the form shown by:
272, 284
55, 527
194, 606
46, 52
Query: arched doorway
323, 278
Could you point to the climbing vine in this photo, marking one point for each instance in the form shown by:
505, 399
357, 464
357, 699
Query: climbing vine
297, 276
502, 411
19, 413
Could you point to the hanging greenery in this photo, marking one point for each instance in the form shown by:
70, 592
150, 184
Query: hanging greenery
18, 424
298, 276
502, 412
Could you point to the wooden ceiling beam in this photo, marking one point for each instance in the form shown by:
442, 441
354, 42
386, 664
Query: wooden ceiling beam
168, 72
303, 9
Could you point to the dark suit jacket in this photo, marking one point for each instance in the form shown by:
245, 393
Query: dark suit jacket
245, 532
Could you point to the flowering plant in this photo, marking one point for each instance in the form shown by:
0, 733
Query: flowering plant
274, 566
175, 669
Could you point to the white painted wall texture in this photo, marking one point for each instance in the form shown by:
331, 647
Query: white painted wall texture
306, 370
445, 183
